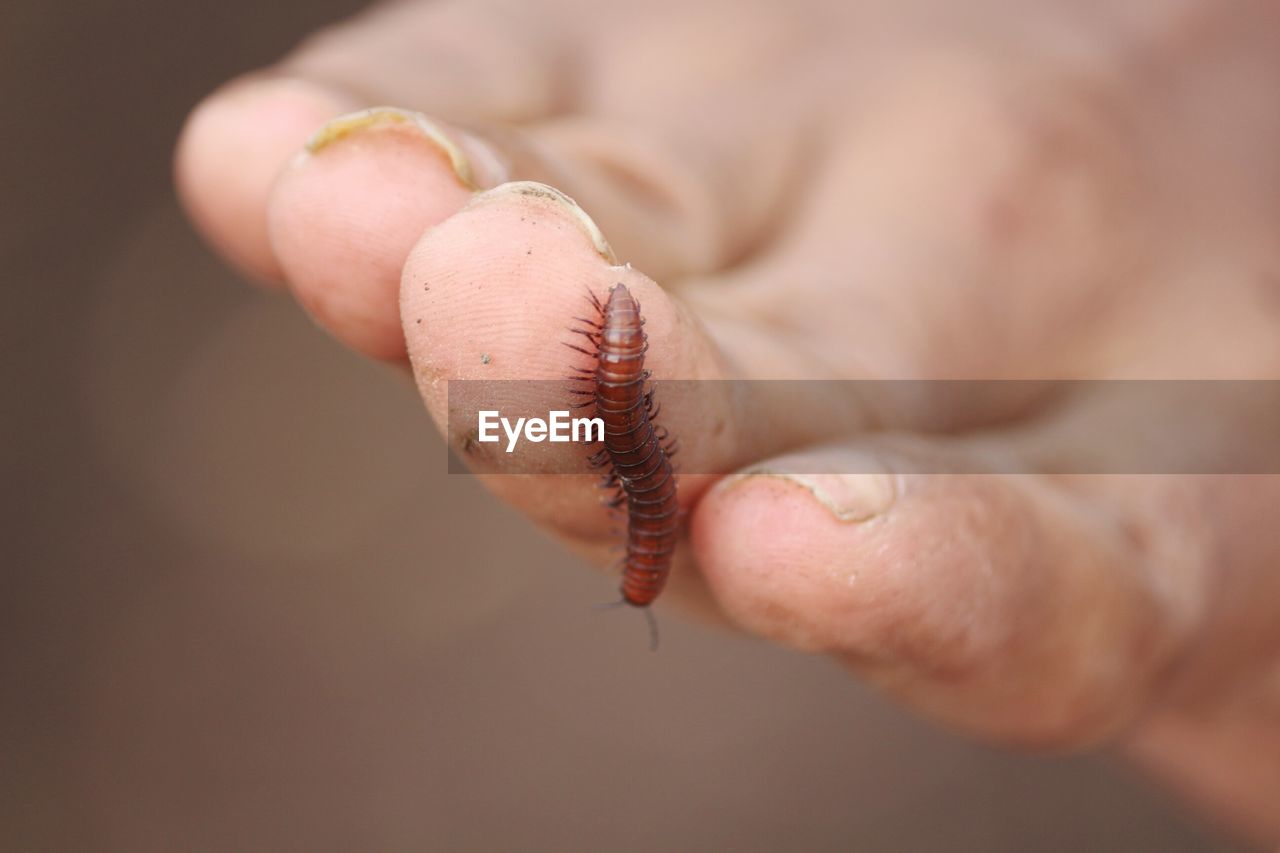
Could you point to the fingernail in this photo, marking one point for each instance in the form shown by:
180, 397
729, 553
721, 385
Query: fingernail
381, 118
544, 193
849, 497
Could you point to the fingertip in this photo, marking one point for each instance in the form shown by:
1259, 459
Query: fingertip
229, 153
488, 296
343, 217
487, 293
996, 603
492, 294
789, 556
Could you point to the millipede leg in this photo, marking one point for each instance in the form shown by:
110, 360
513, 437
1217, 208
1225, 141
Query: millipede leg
653, 628
591, 336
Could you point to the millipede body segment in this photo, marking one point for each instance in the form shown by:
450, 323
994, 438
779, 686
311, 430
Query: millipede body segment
636, 453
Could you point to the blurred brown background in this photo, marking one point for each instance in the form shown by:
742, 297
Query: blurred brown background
244, 607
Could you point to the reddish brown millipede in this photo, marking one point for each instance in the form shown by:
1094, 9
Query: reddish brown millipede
636, 453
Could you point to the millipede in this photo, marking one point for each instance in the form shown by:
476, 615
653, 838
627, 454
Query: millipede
636, 453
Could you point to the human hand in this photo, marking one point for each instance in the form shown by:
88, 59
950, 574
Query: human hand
996, 191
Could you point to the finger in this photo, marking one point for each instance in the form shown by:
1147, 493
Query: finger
343, 218
238, 140
231, 149
344, 214
683, 163
1000, 604
491, 293
686, 188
